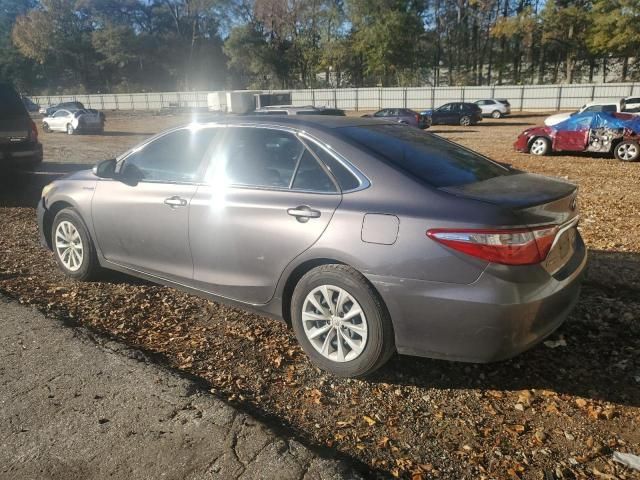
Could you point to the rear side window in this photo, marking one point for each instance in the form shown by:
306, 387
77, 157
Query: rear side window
311, 177
10, 103
424, 156
344, 177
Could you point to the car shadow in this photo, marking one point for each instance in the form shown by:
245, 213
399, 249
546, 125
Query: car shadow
498, 123
436, 131
115, 133
599, 361
22, 188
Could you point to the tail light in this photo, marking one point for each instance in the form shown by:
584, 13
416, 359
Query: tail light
509, 247
418, 117
33, 133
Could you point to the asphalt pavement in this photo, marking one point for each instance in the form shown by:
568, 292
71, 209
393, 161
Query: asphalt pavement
74, 405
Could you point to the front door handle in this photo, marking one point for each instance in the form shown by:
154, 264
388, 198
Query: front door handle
175, 202
303, 213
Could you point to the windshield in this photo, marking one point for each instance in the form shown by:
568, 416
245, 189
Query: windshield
424, 156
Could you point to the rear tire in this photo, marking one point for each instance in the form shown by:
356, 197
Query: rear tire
465, 121
72, 247
496, 114
627, 151
45, 127
366, 338
540, 146
70, 129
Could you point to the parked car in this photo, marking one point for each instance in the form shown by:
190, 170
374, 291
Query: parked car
611, 106
403, 115
494, 107
632, 104
49, 111
30, 105
366, 236
74, 121
456, 113
291, 110
602, 132
19, 144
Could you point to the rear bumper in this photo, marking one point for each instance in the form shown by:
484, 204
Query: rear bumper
489, 320
20, 153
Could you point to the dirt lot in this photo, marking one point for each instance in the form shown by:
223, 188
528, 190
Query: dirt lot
549, 413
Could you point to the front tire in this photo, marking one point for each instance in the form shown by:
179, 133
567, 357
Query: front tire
627, 151
45, 127
72, 246
341, 322
540, 146
70, 129
465, 121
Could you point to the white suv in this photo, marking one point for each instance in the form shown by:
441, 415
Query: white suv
494, 107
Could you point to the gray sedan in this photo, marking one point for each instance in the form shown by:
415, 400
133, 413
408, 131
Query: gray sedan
365, 236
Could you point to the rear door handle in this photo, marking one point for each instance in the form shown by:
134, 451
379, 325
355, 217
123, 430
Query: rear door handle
303, 213
175, 202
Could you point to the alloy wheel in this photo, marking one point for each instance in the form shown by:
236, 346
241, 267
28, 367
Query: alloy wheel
334, 323
627, 151
539, 146
465, 121
69, 246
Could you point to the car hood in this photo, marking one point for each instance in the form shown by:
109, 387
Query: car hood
557, 118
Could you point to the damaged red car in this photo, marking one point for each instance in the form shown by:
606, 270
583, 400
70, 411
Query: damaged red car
600, 132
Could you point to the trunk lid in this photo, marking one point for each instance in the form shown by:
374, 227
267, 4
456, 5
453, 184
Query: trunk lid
537, 201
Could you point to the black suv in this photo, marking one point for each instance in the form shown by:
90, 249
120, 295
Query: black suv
19, 144
455, 113
64, 106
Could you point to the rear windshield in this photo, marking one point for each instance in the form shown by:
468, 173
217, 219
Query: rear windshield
425, 156
10, 103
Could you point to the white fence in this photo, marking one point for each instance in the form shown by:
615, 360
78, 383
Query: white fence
521, 97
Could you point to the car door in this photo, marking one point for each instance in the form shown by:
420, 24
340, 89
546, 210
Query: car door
264, 201
144, 224
575, 138
59, 120
442, 114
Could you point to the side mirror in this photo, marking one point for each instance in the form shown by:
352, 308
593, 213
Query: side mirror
105, 168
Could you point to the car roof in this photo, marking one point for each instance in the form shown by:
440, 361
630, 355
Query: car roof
322, 122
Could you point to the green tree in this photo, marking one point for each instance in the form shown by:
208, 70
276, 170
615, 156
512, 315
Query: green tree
615, 30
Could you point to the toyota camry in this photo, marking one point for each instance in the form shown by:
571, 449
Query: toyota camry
367, 237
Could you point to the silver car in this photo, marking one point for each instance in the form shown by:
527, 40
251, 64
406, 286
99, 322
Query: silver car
494, 107
367, 237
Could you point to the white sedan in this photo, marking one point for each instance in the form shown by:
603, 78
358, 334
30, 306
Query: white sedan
72, 121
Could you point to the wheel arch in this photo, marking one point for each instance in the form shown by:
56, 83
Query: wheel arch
49, 216
301, 270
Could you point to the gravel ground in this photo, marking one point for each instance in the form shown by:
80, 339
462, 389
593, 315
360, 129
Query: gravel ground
549, 413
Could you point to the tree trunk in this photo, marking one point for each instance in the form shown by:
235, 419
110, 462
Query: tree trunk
625, 69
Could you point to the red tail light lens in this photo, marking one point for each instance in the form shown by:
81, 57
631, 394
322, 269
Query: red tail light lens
417, 117
508, 247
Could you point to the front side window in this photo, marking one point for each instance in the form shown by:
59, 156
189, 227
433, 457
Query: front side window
445, 108
174, 157
259, 157
61, 113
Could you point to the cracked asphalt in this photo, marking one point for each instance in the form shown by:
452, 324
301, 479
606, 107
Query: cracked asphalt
78, 406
